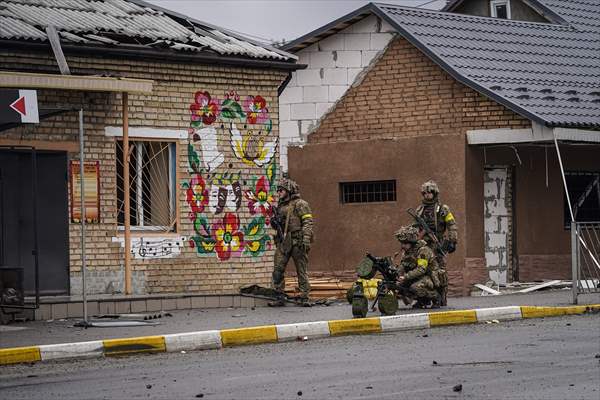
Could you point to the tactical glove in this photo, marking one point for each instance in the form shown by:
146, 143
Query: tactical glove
449, 247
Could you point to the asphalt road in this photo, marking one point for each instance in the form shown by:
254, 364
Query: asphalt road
552, 358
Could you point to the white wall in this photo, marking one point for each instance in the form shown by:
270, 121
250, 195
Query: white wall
333, 65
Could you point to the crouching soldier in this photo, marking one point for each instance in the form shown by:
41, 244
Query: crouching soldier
294, 223
420, 266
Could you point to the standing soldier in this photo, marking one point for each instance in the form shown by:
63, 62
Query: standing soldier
440, 221
294, 223
420, 268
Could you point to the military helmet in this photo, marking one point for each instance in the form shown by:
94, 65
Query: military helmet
407, 234
430, 187
289, 185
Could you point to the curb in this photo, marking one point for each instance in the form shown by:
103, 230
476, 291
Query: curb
216, 339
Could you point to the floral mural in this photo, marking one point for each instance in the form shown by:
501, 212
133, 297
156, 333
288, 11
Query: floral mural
230, 210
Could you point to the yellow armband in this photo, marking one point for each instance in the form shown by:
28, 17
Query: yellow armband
449, 217
305, 216
421, 262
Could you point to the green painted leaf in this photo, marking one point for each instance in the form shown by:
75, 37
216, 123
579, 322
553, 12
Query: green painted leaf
193, 159
256, 247
255, 228
201, 226
269, 126
204, 245
271, 172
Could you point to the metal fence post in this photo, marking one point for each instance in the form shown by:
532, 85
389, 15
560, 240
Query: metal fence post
574, 261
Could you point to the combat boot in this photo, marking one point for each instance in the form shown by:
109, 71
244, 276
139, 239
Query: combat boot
304, 302
437, 302
421, 303
278, 302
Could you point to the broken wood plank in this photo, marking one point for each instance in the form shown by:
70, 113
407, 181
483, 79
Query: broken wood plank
487, 289
538, 287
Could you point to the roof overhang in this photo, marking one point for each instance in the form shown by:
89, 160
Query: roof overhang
23, 80
536, 134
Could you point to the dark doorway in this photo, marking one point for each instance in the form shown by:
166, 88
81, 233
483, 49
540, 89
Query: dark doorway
17, 227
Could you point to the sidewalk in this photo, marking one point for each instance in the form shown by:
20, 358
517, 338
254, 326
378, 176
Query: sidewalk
53, 332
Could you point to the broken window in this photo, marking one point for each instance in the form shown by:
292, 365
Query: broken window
500, 9
152, 191
584, 193
367, 192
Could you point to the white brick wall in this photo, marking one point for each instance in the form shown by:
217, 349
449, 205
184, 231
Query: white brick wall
333, 65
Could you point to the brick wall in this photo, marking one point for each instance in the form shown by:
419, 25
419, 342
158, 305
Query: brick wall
403, 96
168, 107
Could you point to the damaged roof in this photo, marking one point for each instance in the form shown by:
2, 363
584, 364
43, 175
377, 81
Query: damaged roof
125, 23
547, 72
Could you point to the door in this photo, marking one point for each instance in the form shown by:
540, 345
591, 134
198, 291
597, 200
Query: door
18, 222
497, 222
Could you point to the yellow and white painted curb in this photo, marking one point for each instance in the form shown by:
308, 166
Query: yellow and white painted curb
216, 339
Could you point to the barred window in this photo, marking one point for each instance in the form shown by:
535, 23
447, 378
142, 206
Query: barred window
367, 191
584, 193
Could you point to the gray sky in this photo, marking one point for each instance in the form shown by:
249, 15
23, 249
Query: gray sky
274, 19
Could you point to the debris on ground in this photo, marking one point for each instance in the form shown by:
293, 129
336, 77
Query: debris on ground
457, 388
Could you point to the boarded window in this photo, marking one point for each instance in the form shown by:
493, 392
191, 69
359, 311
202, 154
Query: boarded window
367, 191
584, 193
151, 185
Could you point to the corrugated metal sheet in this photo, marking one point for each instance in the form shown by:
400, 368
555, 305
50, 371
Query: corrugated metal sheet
119, 22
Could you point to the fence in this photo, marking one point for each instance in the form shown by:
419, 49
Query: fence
585, 256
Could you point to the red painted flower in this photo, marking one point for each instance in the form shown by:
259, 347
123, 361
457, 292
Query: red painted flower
205, 108
256, 110
230, 241
260, 201
197, 194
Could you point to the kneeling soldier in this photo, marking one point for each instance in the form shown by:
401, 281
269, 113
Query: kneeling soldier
420, 268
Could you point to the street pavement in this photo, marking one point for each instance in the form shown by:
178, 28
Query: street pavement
62, 331
546, 359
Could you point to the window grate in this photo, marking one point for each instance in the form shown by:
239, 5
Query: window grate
584, 193
367, 192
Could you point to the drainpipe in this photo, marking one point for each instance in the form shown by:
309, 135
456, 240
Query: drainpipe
126, 201
82, 194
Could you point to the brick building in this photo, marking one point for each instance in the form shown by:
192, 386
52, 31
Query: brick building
474, 102
203, 124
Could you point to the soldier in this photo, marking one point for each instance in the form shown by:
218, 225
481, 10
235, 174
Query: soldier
440, 220
294, 223
420, 268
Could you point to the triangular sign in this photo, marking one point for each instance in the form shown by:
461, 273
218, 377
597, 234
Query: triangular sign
19, 105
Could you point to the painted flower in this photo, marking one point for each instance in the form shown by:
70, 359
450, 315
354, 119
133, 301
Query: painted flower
260, 200
204, 109
197, 194
251, 148
256, 110
229, 240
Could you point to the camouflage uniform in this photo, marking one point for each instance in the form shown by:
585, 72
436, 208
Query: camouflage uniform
295, 217
440, 220
420, 268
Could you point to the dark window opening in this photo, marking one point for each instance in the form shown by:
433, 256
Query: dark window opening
584, 193
501, 11
367, 192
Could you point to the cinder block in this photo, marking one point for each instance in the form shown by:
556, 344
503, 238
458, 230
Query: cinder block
380, 40
93, 308
59, 311
212, 302
322, 108
303, 57
247, 302
291, 95
198, 302
348, 59
304, 111
336, 92
365, 25
138, 306
106, 307
315, 94
123, 307
335, 76
225, 301
357, 41
44, 312
353, 73
322, 59
74, 310
333, 42
309, 77
368, 56
184, 303
306, 126
237, 301
153, 305
386, 27
289, 129
284, 113
169, 304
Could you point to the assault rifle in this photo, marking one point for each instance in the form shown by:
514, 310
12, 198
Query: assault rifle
423, 225
390, 278
277, 224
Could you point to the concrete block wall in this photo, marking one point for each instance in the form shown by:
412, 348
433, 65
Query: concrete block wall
167, 107
334, 64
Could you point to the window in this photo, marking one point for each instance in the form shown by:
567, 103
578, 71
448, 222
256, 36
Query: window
367, 192
584, 193
500, 9
152, 190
